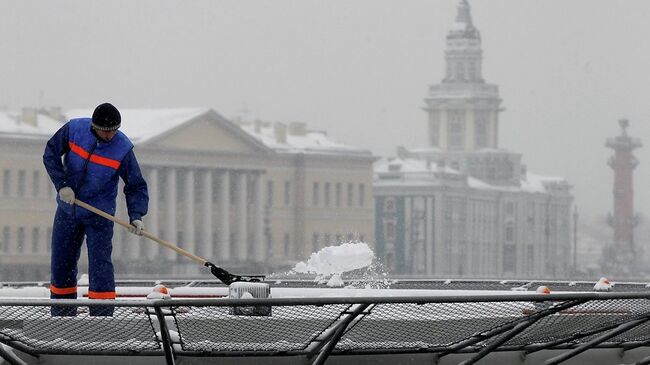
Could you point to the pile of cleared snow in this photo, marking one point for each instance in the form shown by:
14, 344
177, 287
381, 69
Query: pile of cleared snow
337, 259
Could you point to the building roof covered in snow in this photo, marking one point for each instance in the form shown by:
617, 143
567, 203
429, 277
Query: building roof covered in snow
147, 125
420, 172
294, 137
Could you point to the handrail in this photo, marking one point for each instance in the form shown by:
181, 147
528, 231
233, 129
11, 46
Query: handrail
297, 301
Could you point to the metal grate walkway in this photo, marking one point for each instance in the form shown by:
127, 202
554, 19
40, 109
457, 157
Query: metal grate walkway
315, 328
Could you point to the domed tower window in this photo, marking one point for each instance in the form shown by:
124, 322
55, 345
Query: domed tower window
472, 70
456, 132
481, 130
460, 71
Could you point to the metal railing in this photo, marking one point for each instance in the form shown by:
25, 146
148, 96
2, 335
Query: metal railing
400, 283
315, 328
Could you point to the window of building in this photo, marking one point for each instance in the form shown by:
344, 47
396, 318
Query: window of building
510, 233
456, 132
20, 240
287, 244
326, 191
233, 243
6, 237
36, 238
269, 193
460, 71
6, 183
509, 258
472, 70
315, 194
338, 194
287, 193
314, 242
269, 244
362, 194
389, 204
350, 194
36, 184
434, 128
481, 130
389, 228
21, 183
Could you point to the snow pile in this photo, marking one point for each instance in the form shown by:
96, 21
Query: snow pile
337, 260
603, 285
159, 292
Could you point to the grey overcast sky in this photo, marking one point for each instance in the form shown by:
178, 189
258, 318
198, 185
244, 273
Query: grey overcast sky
567, 69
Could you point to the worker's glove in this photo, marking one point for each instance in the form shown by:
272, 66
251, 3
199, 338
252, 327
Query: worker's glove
66, 195
136, 227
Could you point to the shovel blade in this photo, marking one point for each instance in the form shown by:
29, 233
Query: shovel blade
228, 278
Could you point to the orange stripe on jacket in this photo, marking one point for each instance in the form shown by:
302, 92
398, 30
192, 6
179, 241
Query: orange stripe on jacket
114, 164
63, 291
101, 294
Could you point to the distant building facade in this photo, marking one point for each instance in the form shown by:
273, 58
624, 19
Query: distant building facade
463, 206
253, 197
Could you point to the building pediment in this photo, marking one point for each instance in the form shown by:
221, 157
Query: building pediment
207, 131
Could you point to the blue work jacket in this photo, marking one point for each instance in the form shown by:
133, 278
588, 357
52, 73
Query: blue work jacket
92, 168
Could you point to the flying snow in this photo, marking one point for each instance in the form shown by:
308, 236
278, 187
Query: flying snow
337, 259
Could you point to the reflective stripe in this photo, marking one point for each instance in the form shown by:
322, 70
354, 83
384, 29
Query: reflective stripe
114, 164
63, 291
101, 294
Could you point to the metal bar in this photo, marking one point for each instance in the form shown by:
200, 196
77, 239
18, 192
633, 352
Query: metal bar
327, 350
632, 346
507, 327
337, 300
319, 339
534, 348
317, 343
620, 329
521, 326
10, 357
20, 347
166, 339
403, 300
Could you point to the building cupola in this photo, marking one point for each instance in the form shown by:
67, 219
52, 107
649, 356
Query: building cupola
463, 52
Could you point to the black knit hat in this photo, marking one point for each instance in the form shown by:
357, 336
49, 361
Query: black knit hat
106, 117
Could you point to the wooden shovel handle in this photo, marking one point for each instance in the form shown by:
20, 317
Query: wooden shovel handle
127, 225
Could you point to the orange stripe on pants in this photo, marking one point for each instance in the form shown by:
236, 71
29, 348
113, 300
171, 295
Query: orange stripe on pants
101, 294
63, 291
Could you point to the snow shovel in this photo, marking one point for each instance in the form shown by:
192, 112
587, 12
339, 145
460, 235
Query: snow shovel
221, 274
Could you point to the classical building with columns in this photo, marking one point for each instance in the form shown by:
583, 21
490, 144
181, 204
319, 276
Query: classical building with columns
463, 206
253, 197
